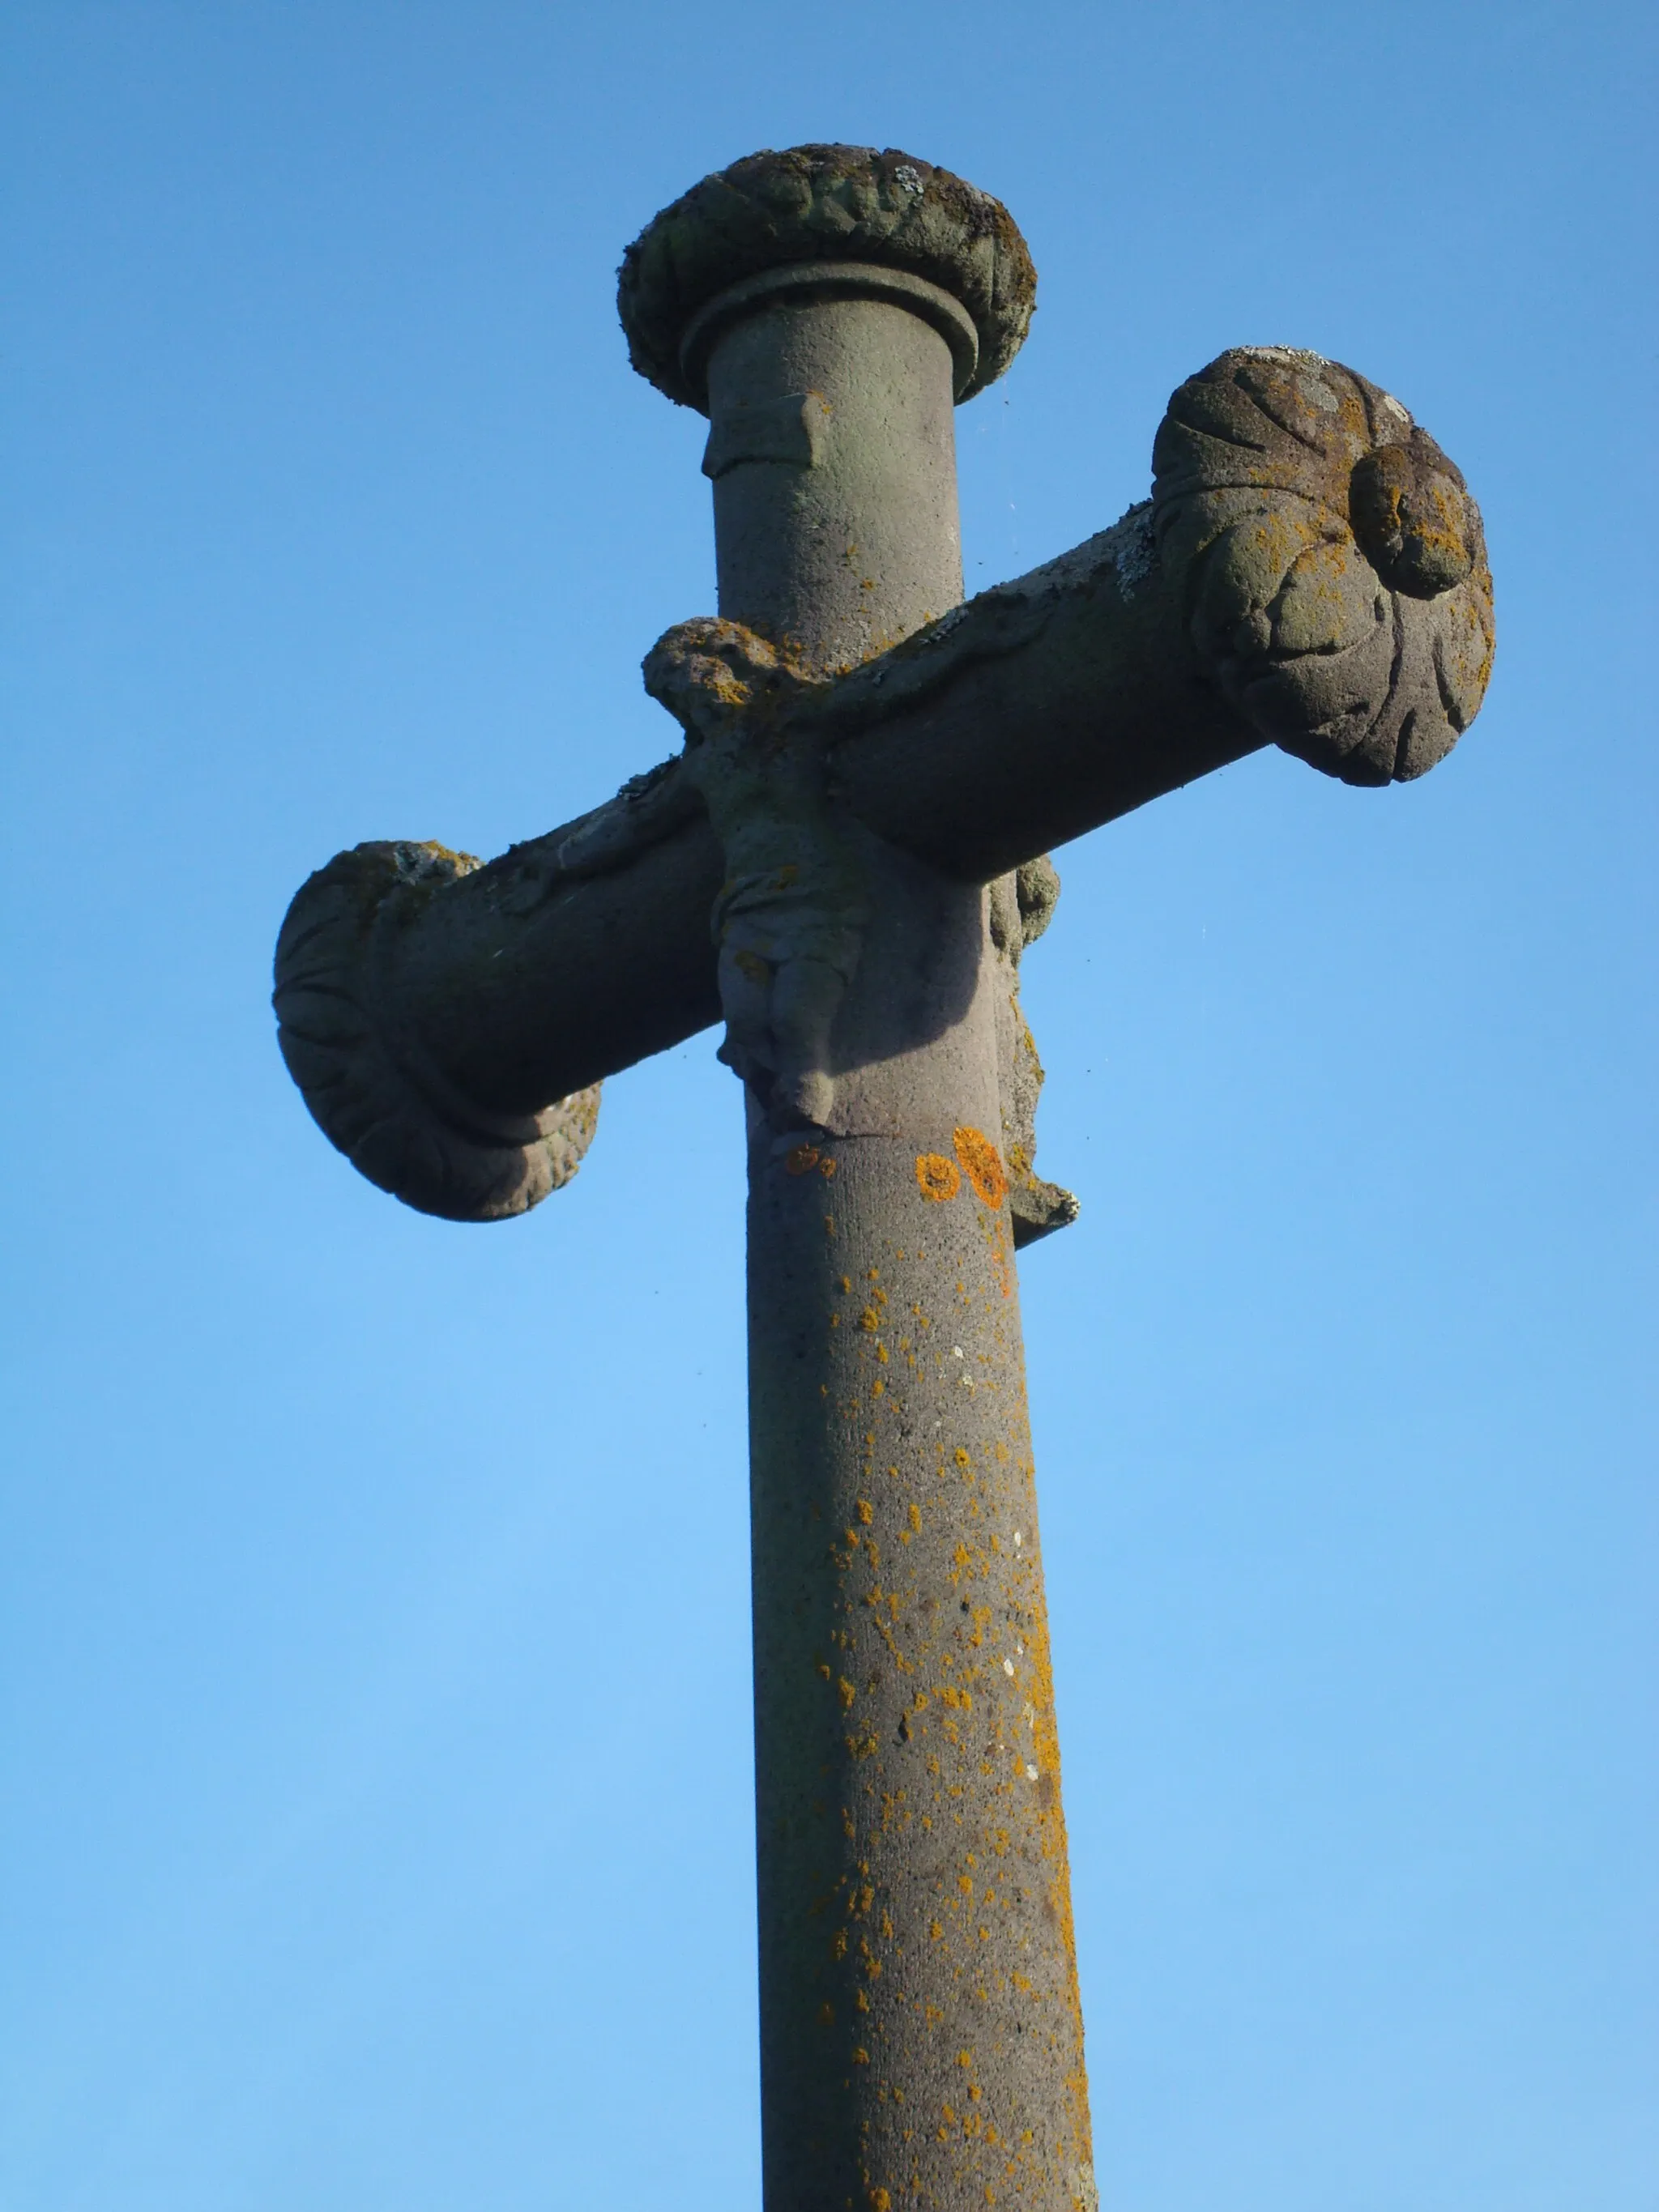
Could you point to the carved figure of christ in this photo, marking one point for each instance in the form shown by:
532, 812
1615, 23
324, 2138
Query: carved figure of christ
846, 861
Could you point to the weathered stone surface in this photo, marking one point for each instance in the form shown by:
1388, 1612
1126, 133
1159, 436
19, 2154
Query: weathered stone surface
923, 2039
843, 546
824, 203
372, 1089
790, 920
1337, 565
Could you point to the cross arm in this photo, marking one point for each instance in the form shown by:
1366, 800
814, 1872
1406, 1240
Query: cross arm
1310, 572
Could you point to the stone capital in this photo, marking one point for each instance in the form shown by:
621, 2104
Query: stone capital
815, 218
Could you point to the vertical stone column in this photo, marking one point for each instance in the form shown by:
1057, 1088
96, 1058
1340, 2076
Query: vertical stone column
921, 2040
833, 453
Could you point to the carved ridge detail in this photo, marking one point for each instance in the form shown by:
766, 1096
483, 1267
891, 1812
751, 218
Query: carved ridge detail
824, 203
1339, 593
395, 1118
1021, 905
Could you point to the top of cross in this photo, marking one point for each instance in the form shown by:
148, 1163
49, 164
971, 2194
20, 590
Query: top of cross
1310, 572
882, 222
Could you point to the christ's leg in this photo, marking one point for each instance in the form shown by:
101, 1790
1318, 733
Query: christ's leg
805, 996
746, 983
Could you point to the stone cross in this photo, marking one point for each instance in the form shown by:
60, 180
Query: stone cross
846, 861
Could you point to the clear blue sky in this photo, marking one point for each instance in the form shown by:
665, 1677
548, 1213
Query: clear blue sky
376, 1710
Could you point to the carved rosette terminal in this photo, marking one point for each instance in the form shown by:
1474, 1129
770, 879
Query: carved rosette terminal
370, 1091
817, 216
1336, 566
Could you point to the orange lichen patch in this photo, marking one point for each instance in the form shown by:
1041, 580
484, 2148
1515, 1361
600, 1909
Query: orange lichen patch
801, 1161
826, 1168
937, 1177
727, 686
880, 2201
1001, 1248
981, 1164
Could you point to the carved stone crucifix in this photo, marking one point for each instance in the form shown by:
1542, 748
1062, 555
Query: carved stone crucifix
846, 861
